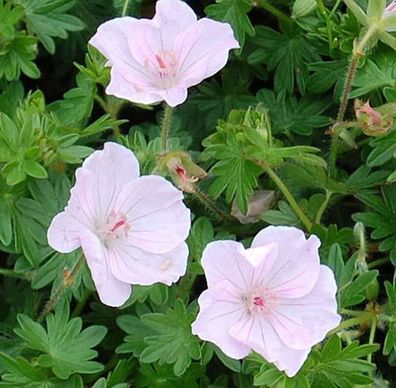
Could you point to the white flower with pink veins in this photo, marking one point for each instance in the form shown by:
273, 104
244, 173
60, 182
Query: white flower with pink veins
274, 298
131, 228
158, 59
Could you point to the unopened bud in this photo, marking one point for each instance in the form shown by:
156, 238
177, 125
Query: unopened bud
184, 171
372, 121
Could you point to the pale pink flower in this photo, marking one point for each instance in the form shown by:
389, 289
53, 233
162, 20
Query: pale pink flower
274, 298
131, 229
158, 59
390, 9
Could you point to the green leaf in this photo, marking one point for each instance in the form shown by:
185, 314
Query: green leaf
380, 216
233, 12
173, 342
201, 234
48, 19
375, 74
353, 293
288, 55
337, 367
235, 175
292, 115
64, 347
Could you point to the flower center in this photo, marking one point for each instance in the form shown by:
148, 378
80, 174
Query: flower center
116, 227
260, 301
164, 64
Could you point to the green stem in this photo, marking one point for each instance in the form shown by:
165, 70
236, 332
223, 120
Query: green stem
12, 273
362, 318
288, 195
378, 262
67, 281
211, 205
165, 126
323, 207
358, 52
352, 313
81, 304
273, 10
125, 8
373, 329
105, 106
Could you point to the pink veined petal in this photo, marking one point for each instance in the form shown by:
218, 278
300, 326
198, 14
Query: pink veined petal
111, 169
258, 334
132, 87
111, 291
220, 308
303, 322
175, 95
111, 39
296, 270
132, 265
63, 234
173, 16
203, 50
65, 229
222, 260
158, 219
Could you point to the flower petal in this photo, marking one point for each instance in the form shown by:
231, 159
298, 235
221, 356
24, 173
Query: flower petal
258, 334
111, 291
173, 16
175, 96
111, 169
296, 270
132, 87
65, 229
111, 39
303, 322
132, 265
220, 308
203, 50
228, 260
64, 233
158, 219
222, 260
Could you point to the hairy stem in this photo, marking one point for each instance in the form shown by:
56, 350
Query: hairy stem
211, 205
323, 207
358, 52
165, 126
272, 10
378, 262
11, 273
356, 321
68, 280
288, 195
373, 329
125, 8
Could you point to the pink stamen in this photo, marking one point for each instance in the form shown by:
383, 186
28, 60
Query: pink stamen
181, 172
258, 301
118, 224
160, 61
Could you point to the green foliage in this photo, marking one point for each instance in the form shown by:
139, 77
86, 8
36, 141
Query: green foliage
290, 115
167, 337
331, 366
262, 123
63, 346
380, 217
49, 19
17, 49
233, 12
288, 55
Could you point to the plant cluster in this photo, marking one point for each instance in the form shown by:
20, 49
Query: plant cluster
197, 201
